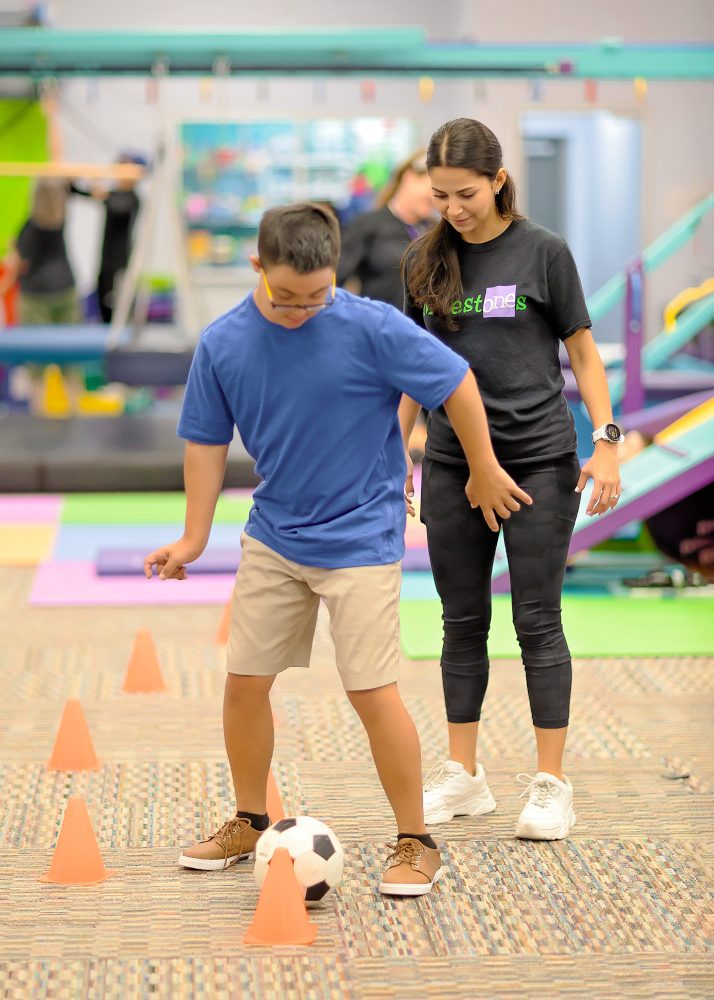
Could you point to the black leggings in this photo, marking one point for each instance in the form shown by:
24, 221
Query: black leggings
462, 549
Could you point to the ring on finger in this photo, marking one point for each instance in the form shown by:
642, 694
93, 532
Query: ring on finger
614, 496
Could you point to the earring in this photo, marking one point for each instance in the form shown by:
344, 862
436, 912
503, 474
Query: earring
497, 191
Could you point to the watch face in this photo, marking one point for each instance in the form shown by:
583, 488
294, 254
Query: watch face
612, 433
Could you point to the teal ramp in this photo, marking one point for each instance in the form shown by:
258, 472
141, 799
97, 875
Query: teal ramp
651, 481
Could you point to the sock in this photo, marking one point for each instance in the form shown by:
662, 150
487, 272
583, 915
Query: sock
423, 838
257, 821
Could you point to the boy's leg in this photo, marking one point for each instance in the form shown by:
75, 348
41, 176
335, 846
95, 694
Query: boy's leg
272, 622
363, 603
248, 732
395, 748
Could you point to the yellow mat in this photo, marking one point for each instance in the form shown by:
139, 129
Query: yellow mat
25, 544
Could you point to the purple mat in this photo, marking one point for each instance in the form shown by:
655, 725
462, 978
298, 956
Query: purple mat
416, 561
130, 562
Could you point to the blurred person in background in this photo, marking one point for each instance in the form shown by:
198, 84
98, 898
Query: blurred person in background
374, 243
122, 207
39, 260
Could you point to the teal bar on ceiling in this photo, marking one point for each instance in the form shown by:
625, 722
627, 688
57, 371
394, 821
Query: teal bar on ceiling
378, 51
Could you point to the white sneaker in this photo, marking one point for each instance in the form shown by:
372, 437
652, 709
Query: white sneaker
449, 790
548, 814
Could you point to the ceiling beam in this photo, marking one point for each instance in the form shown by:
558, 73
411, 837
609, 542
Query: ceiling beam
310, 51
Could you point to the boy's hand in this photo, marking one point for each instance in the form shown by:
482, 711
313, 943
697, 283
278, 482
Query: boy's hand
170, 560
409, 486
494, 492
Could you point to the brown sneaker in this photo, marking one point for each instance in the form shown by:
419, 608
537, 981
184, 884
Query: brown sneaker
235, 840
412, 870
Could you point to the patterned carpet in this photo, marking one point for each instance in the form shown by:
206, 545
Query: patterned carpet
624, 909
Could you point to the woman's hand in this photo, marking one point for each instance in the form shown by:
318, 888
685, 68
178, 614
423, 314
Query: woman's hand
409, 486
170, 560
493, 490
604, 469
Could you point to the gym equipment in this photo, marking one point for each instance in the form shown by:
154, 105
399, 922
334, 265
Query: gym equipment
679, 462
130, 562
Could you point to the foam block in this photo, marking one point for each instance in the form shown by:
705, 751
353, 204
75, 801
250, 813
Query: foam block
76, 583
30, 509
416, 561
130, 562
25, 544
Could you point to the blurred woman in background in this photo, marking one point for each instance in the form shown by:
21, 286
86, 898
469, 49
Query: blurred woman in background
374, 243
39, 260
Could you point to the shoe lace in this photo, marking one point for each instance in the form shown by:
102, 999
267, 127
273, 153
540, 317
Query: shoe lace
539, 790
405, 850
437, 776
223, 837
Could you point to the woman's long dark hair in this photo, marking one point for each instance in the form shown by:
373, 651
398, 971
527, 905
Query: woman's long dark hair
431, 264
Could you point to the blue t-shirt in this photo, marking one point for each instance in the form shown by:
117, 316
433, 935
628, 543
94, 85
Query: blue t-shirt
316, 408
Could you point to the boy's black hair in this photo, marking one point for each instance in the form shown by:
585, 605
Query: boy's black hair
305, 236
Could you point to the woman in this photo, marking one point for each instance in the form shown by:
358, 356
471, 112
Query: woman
503, 292
122, 208
373, 245
39, 259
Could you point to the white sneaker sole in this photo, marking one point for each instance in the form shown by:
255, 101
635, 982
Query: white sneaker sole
409, 888
208, 865
529, 831
466, 807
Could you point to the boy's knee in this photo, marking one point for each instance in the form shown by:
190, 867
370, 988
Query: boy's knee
242, 687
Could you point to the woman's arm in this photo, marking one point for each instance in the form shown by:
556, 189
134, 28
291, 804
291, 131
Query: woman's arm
204, 469
489, 486
602, 467
408, 413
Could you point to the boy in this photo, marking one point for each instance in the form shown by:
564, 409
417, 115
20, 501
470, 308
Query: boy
312, 377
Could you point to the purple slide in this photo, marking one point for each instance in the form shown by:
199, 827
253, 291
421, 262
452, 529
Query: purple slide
130, 562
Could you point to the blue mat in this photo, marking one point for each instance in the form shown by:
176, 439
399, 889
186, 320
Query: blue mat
82, 542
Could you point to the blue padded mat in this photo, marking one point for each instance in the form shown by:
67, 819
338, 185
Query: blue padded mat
82, 542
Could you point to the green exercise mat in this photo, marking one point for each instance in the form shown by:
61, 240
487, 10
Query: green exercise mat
594, 626
144, 508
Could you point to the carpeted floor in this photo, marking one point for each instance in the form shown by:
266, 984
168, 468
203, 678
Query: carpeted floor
622, 910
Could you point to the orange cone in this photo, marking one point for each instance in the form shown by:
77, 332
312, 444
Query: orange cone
76, 860
73, 749
274, 804
280, 916
224, 628
143, 675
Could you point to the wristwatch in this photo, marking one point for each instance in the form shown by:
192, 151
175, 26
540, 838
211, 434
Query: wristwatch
608, 432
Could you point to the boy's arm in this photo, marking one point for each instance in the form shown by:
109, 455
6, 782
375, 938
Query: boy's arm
408, 412
204, 468
489, 486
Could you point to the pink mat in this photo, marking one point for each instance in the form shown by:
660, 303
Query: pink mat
30, 509
77, 583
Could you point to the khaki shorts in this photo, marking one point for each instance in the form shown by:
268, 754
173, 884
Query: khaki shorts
274, 611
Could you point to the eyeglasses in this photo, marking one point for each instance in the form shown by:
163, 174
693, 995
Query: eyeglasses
309, 309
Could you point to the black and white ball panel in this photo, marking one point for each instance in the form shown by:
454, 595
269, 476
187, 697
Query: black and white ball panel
318, 857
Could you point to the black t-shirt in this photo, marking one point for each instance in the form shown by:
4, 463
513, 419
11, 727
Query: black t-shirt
45, 252
122, 208
521, 296
372, 249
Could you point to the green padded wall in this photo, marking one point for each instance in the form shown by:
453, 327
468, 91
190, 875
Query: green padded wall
22, 137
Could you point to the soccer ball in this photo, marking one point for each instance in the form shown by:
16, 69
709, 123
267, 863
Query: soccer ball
317, 855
